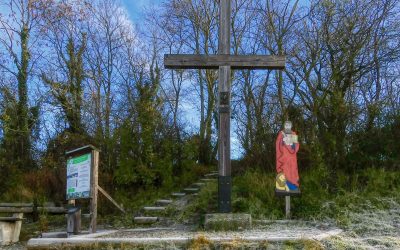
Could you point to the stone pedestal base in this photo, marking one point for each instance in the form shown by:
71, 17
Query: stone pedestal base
227, 222
10, 228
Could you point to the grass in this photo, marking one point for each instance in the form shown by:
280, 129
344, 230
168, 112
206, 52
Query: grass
253, 192
366, 205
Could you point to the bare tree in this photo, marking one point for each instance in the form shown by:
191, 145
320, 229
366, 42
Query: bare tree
18, 23
64, 72
109, 28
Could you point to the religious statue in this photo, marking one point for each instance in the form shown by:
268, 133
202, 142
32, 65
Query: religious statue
287, 145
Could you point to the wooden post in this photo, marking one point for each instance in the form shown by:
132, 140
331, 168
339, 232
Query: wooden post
70, 219
73, 220
94, 191
224, 89
287, 207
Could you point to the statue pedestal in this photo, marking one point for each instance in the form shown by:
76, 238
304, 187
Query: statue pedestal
227, 222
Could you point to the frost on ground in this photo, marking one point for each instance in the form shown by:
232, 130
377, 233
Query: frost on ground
365, 226
369, 228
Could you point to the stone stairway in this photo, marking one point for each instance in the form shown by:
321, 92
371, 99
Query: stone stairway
157, 212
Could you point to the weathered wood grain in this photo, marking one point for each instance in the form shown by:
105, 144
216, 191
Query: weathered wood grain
51, 210
94, 190
182, 61
7, 204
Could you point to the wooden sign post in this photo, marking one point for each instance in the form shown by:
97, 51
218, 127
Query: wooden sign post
224, 62
82, 183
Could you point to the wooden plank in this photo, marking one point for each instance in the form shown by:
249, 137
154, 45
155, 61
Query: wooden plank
16, 209
52, 210
111, 199
88, 148
175, 61
6, 204
10, 219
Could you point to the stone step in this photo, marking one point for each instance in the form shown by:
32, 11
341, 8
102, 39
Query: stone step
178, 194
154, 208
211, 175
145, 220
208, 179
163, 202
191, 190
199, 184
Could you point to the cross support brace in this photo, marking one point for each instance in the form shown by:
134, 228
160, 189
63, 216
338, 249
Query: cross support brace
179, 61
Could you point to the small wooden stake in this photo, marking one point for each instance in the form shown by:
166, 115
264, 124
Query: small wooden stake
287, 206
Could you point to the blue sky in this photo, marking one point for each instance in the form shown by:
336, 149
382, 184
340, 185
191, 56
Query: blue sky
135, 7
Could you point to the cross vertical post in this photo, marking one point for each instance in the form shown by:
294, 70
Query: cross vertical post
224, 90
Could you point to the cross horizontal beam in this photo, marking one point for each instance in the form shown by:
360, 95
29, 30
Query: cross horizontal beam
179, 61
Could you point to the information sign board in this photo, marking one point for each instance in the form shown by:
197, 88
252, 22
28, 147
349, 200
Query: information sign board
78, 177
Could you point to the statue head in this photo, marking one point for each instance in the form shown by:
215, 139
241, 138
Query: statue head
280, 183
281, 178
287, 127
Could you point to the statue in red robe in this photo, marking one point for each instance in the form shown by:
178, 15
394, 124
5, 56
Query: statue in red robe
287, 146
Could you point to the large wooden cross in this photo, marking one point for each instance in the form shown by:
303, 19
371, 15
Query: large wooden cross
224, 62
